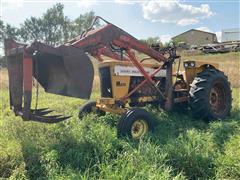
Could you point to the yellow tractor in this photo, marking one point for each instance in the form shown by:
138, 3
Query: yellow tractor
127, 82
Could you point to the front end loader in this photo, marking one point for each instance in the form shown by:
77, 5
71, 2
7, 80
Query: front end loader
127, 82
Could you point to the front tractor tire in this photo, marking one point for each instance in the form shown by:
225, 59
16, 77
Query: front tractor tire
135, 123
210, 95
89, 107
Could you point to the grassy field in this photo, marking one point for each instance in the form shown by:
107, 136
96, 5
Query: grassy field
180, 148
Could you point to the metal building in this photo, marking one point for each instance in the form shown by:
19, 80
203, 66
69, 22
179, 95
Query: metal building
196, 37
229, 35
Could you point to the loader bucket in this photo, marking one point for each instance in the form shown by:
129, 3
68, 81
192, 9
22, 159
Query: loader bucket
70, 74
64, 70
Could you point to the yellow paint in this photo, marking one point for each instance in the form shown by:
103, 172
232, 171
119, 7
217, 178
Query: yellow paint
190, 73
120, 86
111, 108
139, 128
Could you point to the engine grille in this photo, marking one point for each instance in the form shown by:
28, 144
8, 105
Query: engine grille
105, 81
146, 89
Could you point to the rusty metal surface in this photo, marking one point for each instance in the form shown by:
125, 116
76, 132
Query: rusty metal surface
15, 74
70, 74
64, 70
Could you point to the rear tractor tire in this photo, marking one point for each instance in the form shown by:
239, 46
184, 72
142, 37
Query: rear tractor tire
135, 123
210, 95
89, 107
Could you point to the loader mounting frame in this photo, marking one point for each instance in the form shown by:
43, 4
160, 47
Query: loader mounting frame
109, 40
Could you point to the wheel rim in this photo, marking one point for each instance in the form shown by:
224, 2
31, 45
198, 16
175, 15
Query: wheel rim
217, 99
139, 128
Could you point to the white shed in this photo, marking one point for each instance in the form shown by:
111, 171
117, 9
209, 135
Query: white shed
231, 34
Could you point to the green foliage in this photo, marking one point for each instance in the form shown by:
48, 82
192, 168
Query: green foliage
3, 61
82, 23
193, 153
151, 40
228, 163
11, 159
53, 27
7, 31
180, 148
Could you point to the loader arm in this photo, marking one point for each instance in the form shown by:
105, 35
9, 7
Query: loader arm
99, 42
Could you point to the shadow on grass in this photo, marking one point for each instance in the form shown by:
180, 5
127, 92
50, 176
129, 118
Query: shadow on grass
223, 130
171, 124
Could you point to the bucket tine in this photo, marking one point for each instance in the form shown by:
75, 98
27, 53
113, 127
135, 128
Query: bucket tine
53, 116
41, 112
49, 119
42, 109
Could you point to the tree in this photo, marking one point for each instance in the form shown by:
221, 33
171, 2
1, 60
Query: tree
54, 28
31, 29
3, 62
151, 40
1, 30
7, 31
50, 28
83, 22
54, 25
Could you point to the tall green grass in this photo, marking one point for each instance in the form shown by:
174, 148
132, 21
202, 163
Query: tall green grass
180, 147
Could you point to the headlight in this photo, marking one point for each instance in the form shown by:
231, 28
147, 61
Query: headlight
189, 64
